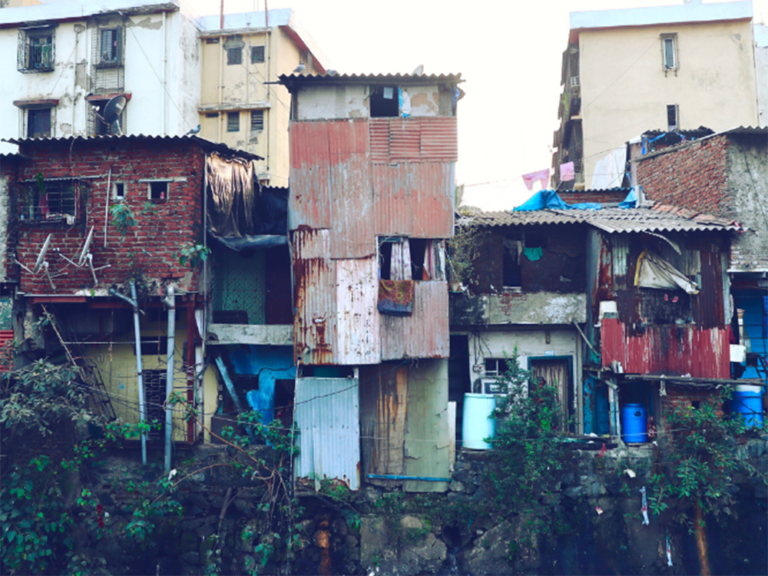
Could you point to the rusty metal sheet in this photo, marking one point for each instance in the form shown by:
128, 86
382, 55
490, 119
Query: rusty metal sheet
314, 324
379, 139
352, 204
383, 395
667, 349
708, 305
413, 199
404, 140
439, 139
424, 334
326, 411
357, 320
309, 201
395, 140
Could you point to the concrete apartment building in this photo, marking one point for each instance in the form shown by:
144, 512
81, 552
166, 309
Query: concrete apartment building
669, 67
241, 103
65, 60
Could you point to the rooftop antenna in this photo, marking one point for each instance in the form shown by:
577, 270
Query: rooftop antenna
85, 258
112, 112
41, 263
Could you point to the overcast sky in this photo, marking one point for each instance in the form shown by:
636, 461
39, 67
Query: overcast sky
508, 52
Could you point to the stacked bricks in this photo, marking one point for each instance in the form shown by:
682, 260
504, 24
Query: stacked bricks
149, 248
600, 196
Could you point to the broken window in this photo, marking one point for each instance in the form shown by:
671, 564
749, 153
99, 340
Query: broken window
49, 200
233, 121
39, 122
110, 46
411, 259
257, 120
234, 56
257, 54
384, 102
669, 51
672, 118
36, 50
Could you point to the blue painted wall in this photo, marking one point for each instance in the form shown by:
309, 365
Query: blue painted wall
269, 363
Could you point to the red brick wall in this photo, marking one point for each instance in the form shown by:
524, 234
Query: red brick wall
592, 196
694, 177
149, 247
678, 396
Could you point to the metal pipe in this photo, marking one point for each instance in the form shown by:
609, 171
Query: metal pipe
165, 81
401, 477
171, 301
106, 206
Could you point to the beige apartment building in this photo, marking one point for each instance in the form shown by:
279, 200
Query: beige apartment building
663, 68
241, 103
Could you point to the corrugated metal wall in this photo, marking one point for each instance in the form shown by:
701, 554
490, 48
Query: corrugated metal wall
326, 412
357, 321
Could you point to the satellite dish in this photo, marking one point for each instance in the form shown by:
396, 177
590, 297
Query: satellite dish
41, 256
419, 70
86, 247
112, 112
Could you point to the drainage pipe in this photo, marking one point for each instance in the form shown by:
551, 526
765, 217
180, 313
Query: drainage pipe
171, 302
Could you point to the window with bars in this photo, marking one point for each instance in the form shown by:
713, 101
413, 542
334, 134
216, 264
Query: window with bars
257, 120
257, 54
234, 56
38, 122
669, 51
36, 50
496, 367
110, 46
49, 200
673, 120
233, 121
155, 395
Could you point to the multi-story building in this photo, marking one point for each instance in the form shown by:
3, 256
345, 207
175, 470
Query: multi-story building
66, 60
241, 103
631, 70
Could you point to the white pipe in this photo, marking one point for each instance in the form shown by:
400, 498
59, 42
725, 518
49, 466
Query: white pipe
106, 207
140, 375
165, 83
171, 302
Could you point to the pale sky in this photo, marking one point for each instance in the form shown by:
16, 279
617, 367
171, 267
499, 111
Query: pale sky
508, 52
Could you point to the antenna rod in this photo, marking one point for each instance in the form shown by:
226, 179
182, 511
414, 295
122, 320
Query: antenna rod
221, 21
266, 12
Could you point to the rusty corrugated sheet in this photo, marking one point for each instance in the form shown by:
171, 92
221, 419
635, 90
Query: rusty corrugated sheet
379, 139
424, 334
668, 349
439, 139
357, 321
326, 411
309, 201
405, 140
314, 323
413, 139
708, 305
413, 199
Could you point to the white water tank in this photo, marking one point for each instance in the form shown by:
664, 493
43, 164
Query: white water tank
477, 426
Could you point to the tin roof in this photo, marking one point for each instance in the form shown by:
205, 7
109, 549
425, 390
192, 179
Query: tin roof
737, 131
80, 10
659, 218
202, 142
292, 81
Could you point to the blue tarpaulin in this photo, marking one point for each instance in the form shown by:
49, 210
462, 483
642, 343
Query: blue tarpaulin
541, 200
631, 200
587, 206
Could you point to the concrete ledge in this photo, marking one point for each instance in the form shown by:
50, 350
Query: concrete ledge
276, 335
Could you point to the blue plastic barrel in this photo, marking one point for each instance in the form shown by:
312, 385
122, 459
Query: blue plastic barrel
748, 403
634, 423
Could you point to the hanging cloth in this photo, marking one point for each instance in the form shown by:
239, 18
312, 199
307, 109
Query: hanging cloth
400, 268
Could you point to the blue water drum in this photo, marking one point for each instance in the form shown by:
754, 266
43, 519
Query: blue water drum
634, 423
747, 401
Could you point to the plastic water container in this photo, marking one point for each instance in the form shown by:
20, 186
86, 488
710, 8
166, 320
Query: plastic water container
477, 425
747, 401
634, 423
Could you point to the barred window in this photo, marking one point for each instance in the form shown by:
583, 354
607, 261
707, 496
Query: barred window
36, 50
257, 120
38, 122
234, 56
110, 46
49, 200
233, 121
257, 54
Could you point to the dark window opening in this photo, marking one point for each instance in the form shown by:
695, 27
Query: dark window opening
384, 102
110, 45
100, 128
513, 248
155, 395
257, 120
153, 346
535, 240
234, 56
39, 123
672, 117
496, 366
233, 121
49, 200
385, 260
418, 247
119, 191
285, 391
36, 51
158, 191
257, 54
328, 371
211, 40
211, 114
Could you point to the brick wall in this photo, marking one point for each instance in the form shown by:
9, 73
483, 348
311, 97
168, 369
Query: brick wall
607, 197
684, 396
150, 247
693, 177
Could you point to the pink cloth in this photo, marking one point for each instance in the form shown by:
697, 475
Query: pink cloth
541, 175
566, 172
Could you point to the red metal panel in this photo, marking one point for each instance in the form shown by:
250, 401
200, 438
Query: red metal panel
310, 198
413, 199
667, 349
424, 334
405, 140
379, 138
314, 324
439, 139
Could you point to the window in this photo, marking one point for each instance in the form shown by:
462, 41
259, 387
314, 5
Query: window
257, 54
385, 102
669, 51
673, 121
496, 366
118, 191
411, 259
49, 200
211, 114
110, 47
36, 50
38, 122
257, 120
233, 121
157, 191
234, 56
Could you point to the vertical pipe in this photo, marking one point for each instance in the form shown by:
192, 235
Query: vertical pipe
191, 331
171, 302
165, 82
140, 375
106, 206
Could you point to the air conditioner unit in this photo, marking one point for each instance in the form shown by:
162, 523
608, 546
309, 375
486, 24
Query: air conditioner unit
492, 386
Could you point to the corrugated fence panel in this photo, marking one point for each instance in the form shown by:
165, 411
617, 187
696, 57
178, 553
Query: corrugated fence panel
439, 139
309, 201
357, 321
326, 411
351, 197
314, 324
424, 334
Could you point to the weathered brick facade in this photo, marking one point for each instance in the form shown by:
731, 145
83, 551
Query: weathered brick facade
694, 176
149, 248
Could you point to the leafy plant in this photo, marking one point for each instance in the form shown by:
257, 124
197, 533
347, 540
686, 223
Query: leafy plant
122, 217
193, 254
